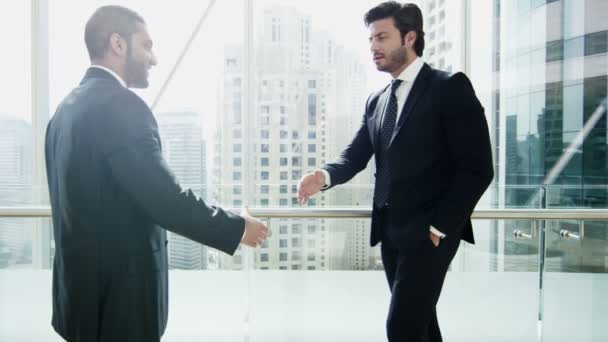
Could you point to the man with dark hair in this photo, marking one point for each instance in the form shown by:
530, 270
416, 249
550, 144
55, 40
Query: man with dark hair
429, 136
113, 195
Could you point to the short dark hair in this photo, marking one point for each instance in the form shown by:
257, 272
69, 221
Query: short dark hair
407, 17
104, 22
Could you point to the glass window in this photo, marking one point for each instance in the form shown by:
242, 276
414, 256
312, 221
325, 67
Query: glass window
18, 237
283, 229
296, 228
264, 175
282, 256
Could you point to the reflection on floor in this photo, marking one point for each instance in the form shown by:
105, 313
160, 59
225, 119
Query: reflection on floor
335, 306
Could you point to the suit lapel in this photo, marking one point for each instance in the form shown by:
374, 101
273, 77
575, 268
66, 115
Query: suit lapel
376, 119
418, 88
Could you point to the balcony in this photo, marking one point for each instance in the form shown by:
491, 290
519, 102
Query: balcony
539, 283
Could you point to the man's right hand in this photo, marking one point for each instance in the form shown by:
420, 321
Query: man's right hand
309, 185
255, 230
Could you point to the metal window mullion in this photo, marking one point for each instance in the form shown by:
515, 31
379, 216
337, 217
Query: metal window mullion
39, 17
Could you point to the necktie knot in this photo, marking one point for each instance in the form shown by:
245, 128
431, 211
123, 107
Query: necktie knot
395, 84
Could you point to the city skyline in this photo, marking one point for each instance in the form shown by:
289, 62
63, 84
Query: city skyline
530, 128
308, 91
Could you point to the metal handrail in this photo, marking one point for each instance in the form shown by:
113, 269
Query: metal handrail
350, 212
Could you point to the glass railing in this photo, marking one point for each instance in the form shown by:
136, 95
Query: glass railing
533, 275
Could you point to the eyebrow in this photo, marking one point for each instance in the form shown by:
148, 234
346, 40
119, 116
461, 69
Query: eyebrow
377, 34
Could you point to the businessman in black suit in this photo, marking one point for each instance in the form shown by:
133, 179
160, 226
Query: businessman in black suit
113, 195
429, 137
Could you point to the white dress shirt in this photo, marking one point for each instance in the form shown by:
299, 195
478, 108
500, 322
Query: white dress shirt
407, 76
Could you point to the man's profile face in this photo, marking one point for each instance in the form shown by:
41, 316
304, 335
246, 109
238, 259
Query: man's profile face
387, 46
140, 58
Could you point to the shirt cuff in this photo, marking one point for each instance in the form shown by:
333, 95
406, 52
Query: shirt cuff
327, 179
437, 232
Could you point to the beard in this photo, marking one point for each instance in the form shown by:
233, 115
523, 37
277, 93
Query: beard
137, 73
393, 61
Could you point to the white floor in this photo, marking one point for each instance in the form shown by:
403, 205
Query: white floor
336, 306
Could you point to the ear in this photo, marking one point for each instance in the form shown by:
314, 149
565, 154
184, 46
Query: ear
118, 45
410, 39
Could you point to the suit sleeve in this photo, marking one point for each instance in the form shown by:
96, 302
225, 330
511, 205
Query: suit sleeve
133, 153
355, 157
468, 143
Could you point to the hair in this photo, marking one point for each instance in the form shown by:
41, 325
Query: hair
106, 21
407, 17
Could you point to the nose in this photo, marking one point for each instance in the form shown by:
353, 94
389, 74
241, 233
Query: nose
153, 60
373, 46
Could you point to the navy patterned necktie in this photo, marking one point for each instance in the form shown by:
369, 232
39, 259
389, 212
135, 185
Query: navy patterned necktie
383, 179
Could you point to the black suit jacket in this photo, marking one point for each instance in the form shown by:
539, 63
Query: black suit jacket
112, 195
440, 158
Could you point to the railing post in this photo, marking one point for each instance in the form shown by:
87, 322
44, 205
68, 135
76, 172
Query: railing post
541, 261
248, 98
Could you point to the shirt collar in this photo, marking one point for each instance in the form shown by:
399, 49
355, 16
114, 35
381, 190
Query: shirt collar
411, 72
109, 71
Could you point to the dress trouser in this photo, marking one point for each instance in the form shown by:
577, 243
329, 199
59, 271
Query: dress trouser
415, 277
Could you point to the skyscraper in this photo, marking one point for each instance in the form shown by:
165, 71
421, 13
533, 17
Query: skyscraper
184, 150
443, 29
15, 189
306, 88
553, 74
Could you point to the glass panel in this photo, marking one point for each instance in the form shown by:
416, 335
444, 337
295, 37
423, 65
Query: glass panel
16, 153
548, 80
25, 292
499, 274
312, 77
575, 305
25, 281
15, 32
444, 29
21, 242
194, 105
312, 272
